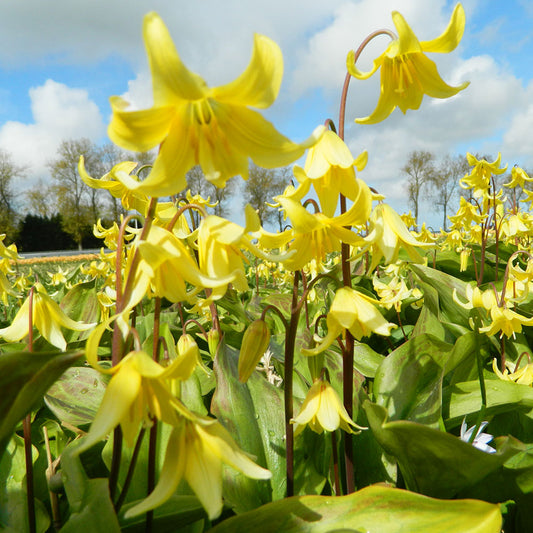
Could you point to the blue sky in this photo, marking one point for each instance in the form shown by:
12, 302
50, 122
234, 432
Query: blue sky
60, 61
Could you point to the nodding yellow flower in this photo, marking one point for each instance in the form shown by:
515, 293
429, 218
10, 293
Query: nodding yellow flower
196, 450
479, 177
523, 376
518, 178
466, 215
322, 410
406, 73
198, 125
47, 317
506, 322
330, 167
388, 235
353, 311
313, 236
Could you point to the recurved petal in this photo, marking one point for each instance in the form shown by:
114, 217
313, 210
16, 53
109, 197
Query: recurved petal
429, 77
258, 86
220, 442
138, 130
451, 36
302, 220
171, 474
19, 328
171, 79
407, 41
120, 394
359, 74
256, 137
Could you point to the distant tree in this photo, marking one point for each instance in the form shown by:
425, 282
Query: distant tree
8, 215
42, 233
197, 184
77, 203
262, 185
419, 170
38, 200
445, 182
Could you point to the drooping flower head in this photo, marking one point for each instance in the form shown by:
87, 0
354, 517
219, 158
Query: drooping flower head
199, 125
482, 171
406, 73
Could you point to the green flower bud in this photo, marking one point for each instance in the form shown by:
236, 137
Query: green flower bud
254, 344
213, 340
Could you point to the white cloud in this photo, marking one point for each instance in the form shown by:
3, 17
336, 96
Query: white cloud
59, 113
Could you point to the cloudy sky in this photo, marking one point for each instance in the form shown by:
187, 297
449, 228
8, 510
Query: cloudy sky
61, 60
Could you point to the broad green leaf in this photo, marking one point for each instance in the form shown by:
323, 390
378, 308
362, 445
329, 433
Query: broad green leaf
232, 404
433, 462
81, 304
14, 514
24, 379
91, 509
409, 380
76, 396
375, 509
462, 399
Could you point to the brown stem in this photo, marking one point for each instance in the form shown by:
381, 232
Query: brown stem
290, 341
338, 490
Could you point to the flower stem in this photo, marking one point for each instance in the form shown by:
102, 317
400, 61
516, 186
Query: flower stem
290, 342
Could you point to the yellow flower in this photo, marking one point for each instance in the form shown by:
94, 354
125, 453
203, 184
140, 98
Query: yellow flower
479, 177
313, 236
518, 178
523, 376
406, 73
322, 410
47, 317
353, 311
506, 321
388, 235
196, 450
466, 215
330, 167
255, 342
199, 125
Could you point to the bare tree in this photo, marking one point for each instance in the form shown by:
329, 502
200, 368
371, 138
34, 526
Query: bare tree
77, 203
419, 170
8, 172
262, 185
39, 200
445, 182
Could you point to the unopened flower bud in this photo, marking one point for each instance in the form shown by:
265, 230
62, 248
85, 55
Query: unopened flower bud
213, 340
254, 344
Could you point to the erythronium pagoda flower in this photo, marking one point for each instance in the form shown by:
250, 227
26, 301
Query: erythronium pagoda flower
522, 376
131, 199
166, 266
466, 215
518, 178
353, 311
255, 342
331, 169
313, 236
322, 410
47, 317
406, 73
388, 235
479, 177
198, 125
196, 450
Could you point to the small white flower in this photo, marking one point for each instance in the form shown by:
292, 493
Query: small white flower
481, 440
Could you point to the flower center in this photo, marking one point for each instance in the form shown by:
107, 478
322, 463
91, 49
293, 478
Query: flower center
202, 111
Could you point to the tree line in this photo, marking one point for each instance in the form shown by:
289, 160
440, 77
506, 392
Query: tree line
428, 178
61, 213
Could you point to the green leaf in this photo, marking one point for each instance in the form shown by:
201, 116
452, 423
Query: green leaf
464, 398
433, 462
375, 509
76, 396
91, 509
81, 304
24, 379
409, 381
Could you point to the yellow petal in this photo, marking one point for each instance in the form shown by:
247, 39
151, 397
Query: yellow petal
451, 36
258, 86
138, 130
120, 394
171, 474
407, 41
170, 77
